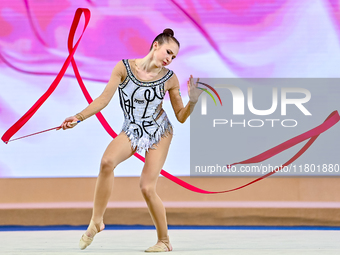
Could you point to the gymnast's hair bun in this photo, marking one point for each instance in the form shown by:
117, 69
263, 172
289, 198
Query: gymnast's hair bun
168, 31
165, 37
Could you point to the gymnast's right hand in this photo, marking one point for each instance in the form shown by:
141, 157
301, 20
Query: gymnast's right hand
67, 123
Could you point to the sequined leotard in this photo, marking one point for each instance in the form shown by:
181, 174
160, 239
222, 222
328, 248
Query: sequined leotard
145, 120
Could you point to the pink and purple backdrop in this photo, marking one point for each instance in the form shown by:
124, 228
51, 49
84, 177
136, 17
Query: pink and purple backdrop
236, 38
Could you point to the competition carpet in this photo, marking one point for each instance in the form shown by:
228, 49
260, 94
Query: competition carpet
185, 240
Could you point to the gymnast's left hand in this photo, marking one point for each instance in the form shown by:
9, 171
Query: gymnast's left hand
193, 91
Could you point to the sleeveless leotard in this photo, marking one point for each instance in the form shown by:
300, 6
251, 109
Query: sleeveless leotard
145, 121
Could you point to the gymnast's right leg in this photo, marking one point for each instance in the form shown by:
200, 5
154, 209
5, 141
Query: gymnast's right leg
117, 151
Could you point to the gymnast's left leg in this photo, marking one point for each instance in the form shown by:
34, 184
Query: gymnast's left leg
154, 161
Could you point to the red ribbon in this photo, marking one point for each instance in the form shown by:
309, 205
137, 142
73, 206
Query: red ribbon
22, 121
312, 134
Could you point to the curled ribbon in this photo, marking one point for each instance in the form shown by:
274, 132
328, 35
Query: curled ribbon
312, 134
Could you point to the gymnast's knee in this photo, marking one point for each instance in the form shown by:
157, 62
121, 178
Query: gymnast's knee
147, 190
107, 166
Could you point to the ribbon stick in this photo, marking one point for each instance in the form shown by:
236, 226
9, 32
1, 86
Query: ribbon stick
312, 134
72, 123
31, 134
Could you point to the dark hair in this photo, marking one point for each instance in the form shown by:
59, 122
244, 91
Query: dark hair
166, 36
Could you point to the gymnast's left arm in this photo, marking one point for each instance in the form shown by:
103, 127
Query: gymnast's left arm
181, 112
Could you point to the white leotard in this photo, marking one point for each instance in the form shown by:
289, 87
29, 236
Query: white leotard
145, 120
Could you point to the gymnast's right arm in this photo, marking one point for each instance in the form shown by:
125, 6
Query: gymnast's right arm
100, 102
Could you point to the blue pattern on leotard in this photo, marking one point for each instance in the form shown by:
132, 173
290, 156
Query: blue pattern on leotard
145, 120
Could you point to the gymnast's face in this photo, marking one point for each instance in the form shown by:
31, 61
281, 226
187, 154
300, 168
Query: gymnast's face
165, 53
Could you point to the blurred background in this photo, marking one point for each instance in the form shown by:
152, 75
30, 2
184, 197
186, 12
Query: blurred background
219, 39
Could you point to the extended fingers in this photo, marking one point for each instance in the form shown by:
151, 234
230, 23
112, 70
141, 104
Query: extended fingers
191, 80
193, 84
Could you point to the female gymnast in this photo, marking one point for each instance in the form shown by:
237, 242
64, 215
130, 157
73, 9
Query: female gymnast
142, 84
